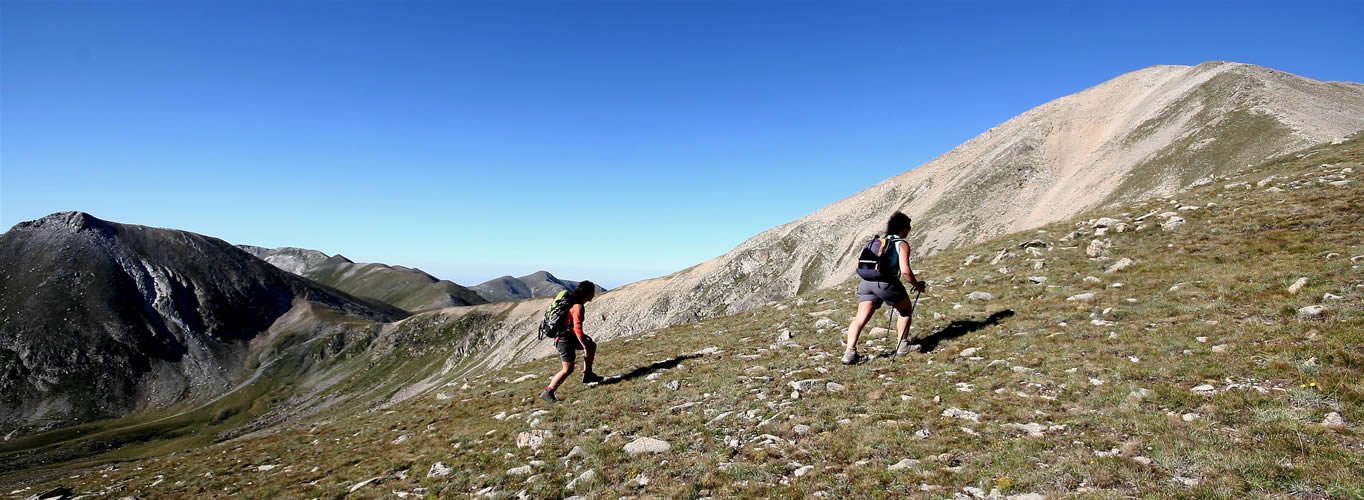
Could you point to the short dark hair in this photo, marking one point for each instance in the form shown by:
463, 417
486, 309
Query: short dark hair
898, 223
584, 290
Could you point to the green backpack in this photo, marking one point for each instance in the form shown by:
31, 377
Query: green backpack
555, 323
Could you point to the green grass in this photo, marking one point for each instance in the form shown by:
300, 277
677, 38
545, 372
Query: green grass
1114, 427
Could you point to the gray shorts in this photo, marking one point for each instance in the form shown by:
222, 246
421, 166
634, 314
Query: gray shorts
881, 291
567, 344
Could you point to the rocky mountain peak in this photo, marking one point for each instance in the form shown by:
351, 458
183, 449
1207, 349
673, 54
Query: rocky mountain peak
73, 221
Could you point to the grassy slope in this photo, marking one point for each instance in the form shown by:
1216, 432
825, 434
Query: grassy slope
409, 290
1109, 396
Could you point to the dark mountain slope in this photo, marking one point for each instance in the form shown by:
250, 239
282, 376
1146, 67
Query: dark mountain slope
99, 319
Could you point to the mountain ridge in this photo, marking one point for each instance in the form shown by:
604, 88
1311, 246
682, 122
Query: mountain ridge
100, 319
410, 289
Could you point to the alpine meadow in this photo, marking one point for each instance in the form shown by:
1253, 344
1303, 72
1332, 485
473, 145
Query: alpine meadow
1149, 286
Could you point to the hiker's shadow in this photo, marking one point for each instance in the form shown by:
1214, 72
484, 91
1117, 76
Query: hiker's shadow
961, 327
650, 368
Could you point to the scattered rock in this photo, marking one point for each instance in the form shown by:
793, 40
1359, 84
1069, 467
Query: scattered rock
439, 469
523, 470
804, 385
962, 414
1098, 248
804, 470
1220, 348
785, 336
364, 483
1000, 256
1081, 297
1333, 420
1312, 312
1331, 296
835, 387
1173, 224
1121, 264
1032, 429
1297, 285
640, 481
801, 429
1204, 389
1142, 460
577, 451
825, 323
968, 352
980, 296
907, 463
582, 479
1190, 417
647, 445
1092, 279
674, 385
533, 439
1037, 280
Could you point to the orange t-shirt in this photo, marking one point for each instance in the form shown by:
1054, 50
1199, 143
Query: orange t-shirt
575, 319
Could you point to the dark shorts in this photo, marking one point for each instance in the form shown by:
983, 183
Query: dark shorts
881, 291
567, 345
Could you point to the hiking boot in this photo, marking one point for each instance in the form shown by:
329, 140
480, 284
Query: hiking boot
906, 348
852, 358
591, 378
548, 397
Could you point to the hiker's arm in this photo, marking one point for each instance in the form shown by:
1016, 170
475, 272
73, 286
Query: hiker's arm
904, 264
576, 313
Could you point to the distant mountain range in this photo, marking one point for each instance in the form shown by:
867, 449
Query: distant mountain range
531, 286
408, 288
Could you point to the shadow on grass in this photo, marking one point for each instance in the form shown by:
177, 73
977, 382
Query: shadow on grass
961, 327
645, 370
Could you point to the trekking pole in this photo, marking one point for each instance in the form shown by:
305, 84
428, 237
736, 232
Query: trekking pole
912, 307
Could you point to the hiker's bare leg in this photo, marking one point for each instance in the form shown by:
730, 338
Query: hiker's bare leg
558, 379
590, 352
906, 310
864, 312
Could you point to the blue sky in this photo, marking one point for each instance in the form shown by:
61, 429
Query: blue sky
604, 140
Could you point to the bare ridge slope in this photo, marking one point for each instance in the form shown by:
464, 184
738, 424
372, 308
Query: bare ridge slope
1146, 133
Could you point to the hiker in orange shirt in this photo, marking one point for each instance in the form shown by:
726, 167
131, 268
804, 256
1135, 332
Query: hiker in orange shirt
567, 344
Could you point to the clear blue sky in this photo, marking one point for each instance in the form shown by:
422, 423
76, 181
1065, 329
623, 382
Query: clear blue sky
605, 140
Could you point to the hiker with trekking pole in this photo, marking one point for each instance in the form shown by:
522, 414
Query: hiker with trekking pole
564, 323
882, 264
